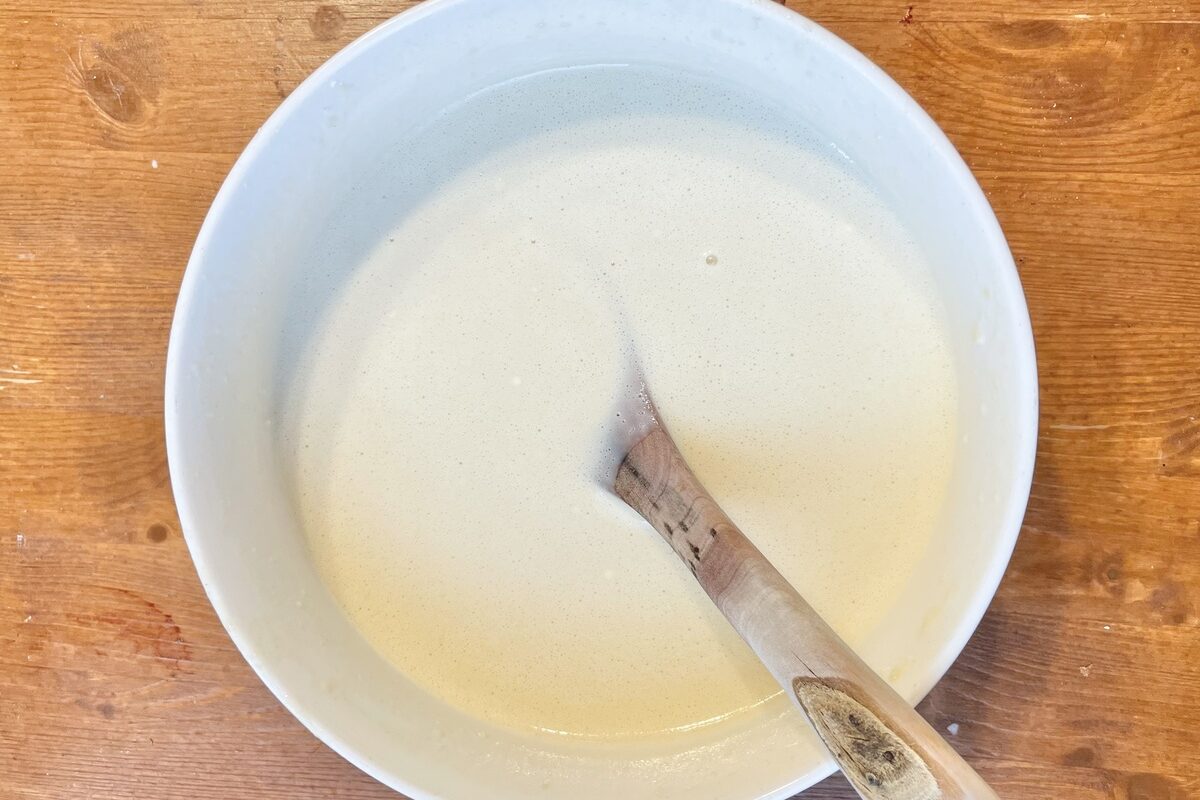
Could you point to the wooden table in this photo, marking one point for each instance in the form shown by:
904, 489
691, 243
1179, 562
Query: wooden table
118, 120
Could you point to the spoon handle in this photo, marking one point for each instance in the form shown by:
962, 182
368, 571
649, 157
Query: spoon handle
885, 748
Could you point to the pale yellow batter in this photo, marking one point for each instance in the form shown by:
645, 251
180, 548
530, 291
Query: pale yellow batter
448, 427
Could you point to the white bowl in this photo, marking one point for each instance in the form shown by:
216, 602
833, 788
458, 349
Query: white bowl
224, 373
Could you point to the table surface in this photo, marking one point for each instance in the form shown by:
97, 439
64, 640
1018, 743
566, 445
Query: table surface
118, 121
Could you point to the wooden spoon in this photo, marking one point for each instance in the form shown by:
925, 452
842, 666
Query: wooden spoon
886, 750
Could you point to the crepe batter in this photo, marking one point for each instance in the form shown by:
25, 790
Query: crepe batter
448, 430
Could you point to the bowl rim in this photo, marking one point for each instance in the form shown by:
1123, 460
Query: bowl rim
1008, 284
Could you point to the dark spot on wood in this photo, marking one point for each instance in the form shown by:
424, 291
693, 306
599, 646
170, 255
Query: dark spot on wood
1080, 757
1164, 596
113, 93
129, 625
670, 530
907, 19
637, 475
327, 22
106, 710
1170, 601
119, 76
872, 755
683, 526
712, 532
695, 550
157, 532
1110, 572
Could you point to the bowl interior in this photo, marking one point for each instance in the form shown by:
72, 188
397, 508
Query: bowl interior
229, 361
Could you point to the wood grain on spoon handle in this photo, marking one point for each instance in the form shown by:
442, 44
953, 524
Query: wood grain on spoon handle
884, 747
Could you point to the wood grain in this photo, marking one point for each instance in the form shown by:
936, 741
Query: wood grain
1081, 120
